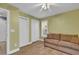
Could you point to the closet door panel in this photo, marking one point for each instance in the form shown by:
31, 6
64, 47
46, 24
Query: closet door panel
34, 30
23, 31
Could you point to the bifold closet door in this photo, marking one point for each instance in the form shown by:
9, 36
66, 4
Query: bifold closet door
34, 30
23, 31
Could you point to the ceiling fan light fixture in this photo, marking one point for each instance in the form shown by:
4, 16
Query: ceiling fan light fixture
46, 6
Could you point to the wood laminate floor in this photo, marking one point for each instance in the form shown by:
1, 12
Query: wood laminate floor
38, 48
2, 48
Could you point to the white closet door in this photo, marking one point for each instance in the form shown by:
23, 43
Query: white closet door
23, 31
3, 29
34, 30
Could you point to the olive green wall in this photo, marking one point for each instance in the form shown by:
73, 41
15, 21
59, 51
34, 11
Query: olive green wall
14, 14
67, 23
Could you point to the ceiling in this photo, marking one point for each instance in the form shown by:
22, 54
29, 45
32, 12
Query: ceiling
34, 9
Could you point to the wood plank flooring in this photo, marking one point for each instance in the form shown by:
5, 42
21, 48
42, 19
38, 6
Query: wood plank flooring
2, 48
38, 48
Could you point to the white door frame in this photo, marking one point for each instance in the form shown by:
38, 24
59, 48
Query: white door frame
8, 30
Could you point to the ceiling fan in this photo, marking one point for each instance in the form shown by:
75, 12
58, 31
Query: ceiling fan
45, 6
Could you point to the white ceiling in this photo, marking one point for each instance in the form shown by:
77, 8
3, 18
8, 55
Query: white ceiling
34, 10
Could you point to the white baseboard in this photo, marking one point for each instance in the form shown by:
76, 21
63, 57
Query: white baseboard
13, 51
26, 44
35, 41
41, 40
29, 43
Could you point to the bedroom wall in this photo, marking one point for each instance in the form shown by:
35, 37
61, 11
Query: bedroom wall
67, 23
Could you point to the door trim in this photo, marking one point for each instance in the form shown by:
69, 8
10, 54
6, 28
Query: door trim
8, 30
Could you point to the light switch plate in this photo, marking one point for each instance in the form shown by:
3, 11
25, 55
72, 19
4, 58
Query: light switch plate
15, 44
12, 30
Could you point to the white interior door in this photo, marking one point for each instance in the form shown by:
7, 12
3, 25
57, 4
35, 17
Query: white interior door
23, 31
3, 30
34, 30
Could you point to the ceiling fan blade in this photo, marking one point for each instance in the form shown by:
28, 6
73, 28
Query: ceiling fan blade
37, 5
54, 4
41, 9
